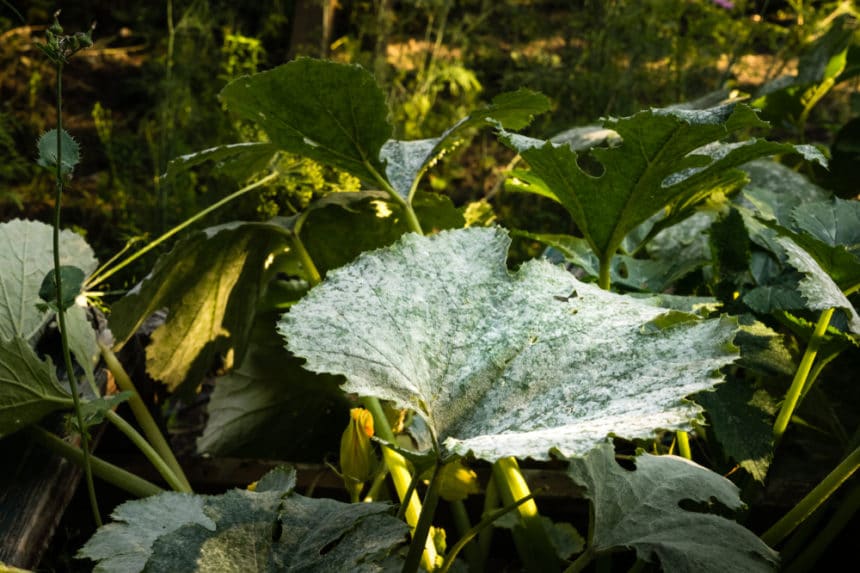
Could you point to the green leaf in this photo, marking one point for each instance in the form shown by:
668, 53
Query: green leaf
82, 341
269, 530
72, 279
26, 256
742, 421
406, 161
270, 407
817, 287
668, 158
775, 190
648, 275
93, 411
238, 161
332, 113
209, 283
501, 364
47, 147
29, 389
641, 509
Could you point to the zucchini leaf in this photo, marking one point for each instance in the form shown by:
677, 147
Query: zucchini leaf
504, 364
644, 510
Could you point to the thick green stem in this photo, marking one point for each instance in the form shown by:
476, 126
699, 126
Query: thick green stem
61, 314
148, 451
190, 221
813, 499
684, 444
421, 535
792, 397
535, 547
581, 562
110, 473
604, 277
143, 417
400, 475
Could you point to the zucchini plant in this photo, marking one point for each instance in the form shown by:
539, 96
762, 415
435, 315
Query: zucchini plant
392, 297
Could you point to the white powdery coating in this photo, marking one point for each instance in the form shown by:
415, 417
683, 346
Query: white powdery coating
503, 364
817, 287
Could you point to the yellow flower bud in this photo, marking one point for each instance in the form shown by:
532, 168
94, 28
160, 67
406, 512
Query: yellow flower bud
357, 459
458, 482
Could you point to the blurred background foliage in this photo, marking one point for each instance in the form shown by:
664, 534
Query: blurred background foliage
147, 91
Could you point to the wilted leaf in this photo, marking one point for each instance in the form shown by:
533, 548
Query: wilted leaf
29, 389
641, 509
209, 283
26, 256
332, 113
503, 364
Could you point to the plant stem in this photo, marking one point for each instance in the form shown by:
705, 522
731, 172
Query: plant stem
143, 416
314, 277
61, 312
466, 537
467, 533
148, 451
581, 562
813, 499
684, 444
491, 503
406, 205
191, 220
400, 475
536, 550
420, 536
110, 473
844, 514
604, 277
800, 376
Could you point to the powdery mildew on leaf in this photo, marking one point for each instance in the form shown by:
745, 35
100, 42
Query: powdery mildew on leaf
26, 256
640, 509
240, 530
503, 364
817, 287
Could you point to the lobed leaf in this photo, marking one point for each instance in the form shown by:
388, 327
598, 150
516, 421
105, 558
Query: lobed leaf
500, 364
239, 160
272, 529
29, 389
667, 158
641, 509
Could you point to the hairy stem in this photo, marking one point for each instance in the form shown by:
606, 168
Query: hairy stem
110, 473
411, 217
684, 444
61, 312
792, 397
